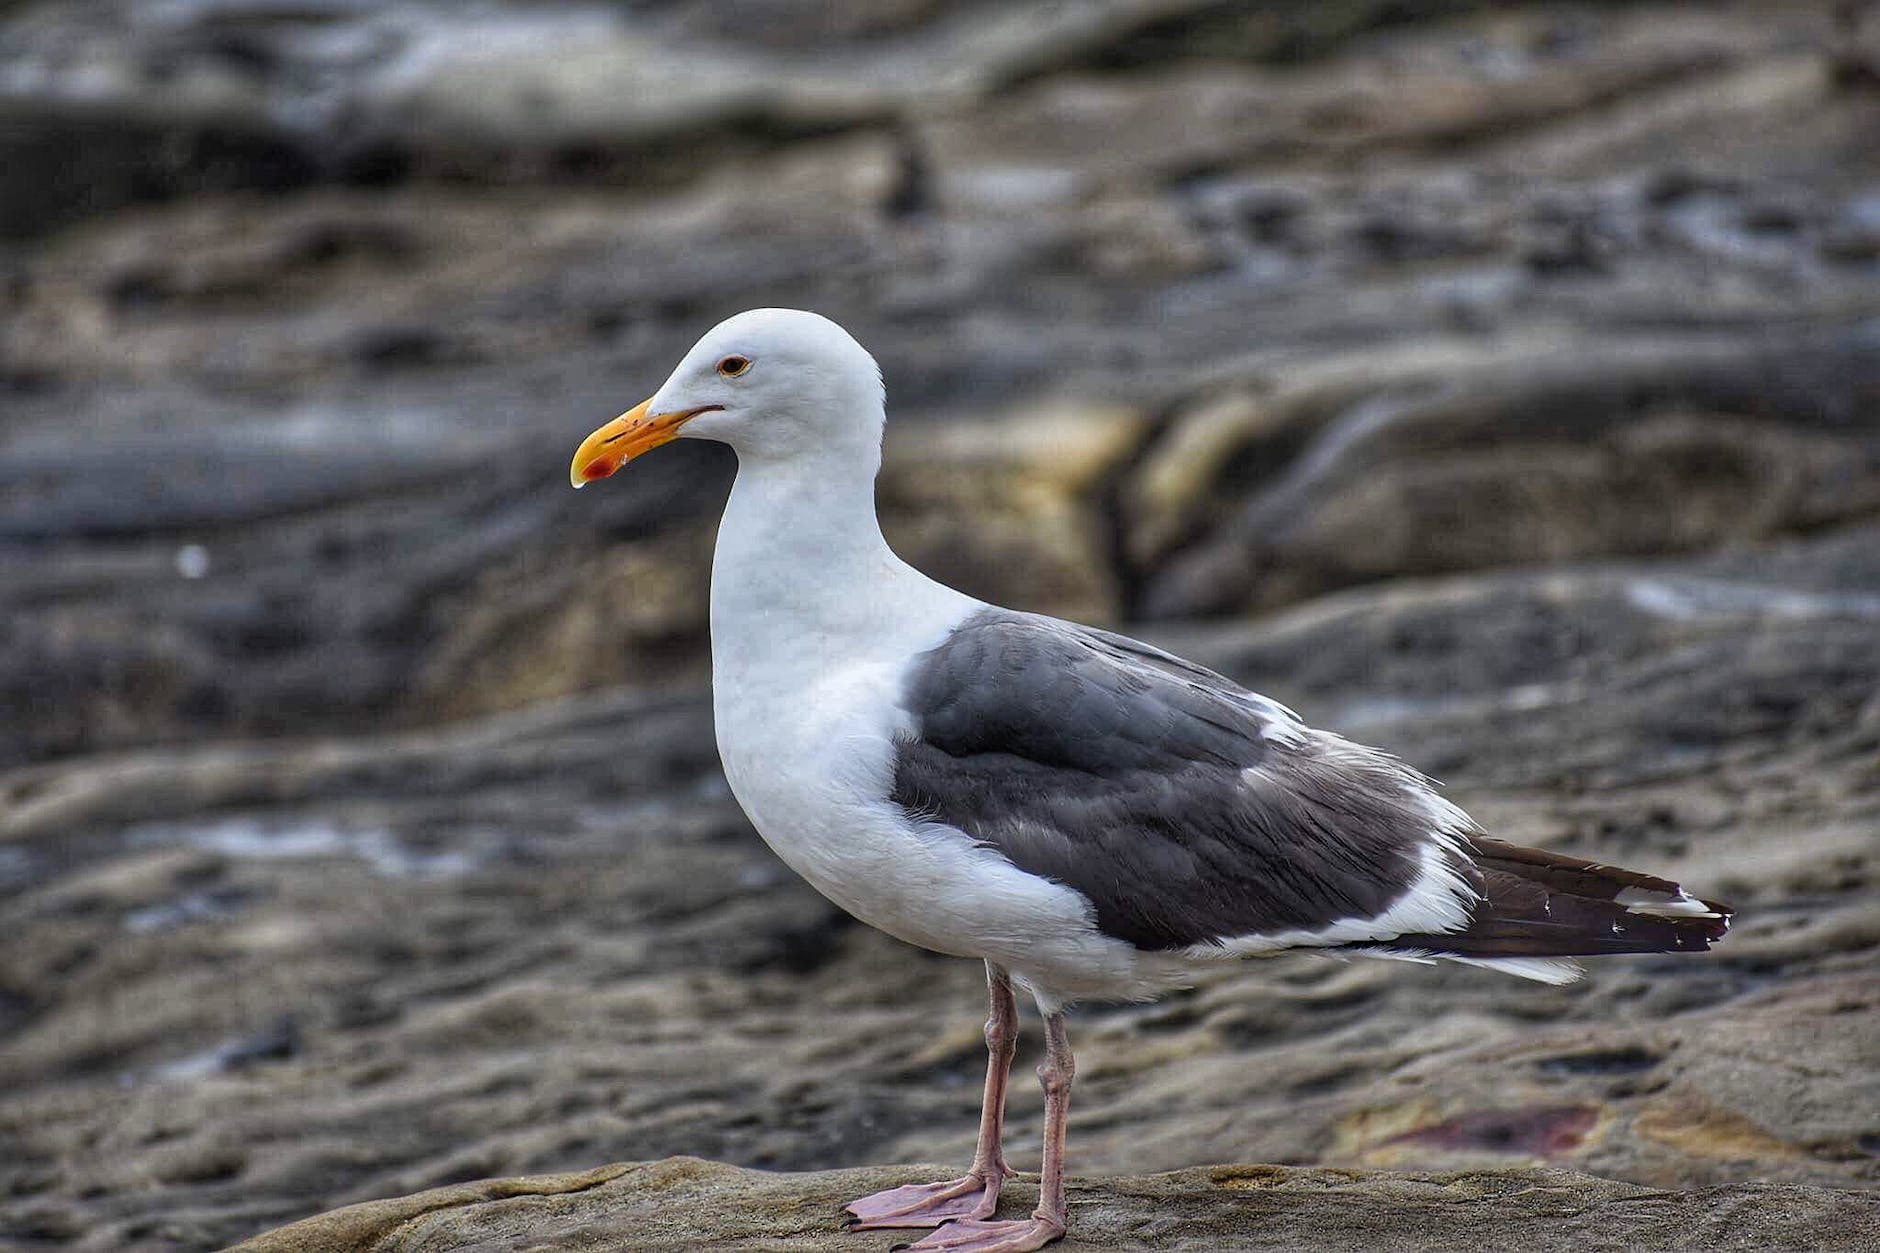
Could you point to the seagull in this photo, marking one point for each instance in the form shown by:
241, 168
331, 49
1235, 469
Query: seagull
1093, 818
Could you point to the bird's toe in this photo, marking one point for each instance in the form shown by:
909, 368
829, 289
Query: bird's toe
972, 1235
924, 1204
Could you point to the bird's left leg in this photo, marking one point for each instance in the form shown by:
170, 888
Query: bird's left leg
1047, 1222
976, 1194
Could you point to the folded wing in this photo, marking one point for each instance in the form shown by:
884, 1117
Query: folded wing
1195, 815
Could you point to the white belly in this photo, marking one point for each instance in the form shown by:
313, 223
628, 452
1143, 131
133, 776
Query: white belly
812, 765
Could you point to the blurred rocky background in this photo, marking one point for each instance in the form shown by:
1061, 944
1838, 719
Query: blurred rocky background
1496, 382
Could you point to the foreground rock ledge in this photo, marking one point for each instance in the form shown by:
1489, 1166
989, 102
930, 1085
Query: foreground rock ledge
684, 1202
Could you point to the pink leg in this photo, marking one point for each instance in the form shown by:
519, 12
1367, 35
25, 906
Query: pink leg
976, 1195
1047, 1222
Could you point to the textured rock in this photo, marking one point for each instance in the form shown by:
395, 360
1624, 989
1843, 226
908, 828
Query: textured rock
1013, 502
278, 978
684, 1202
246, 96
360, 826
1449, 456
346, 409
285, 360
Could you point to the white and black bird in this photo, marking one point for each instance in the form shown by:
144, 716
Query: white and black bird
1092, 817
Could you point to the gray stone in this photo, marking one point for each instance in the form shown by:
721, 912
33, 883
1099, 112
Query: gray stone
361, 830
534, 942
1452, 456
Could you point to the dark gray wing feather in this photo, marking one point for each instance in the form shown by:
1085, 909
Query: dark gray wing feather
1186, 809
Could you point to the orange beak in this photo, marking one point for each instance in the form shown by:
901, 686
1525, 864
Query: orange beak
626, 437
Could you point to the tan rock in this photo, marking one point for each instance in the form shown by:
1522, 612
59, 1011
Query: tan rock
689, 1203
1694, 1127
1452, 456
1007, 506
545, 627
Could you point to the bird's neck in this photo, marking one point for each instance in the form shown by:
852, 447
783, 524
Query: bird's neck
803, 579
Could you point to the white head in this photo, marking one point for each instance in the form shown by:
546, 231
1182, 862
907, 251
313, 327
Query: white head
775, 384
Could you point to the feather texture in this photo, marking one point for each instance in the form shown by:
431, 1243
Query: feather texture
1189, 811
1197, 816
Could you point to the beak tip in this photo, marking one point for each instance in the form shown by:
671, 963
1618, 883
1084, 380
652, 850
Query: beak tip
618, 442
593, 470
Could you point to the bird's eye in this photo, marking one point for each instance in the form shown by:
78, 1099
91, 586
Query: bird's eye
731, 367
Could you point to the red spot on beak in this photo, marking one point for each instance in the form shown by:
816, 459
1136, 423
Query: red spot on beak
599, 469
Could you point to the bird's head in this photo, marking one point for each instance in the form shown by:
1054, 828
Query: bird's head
773, 383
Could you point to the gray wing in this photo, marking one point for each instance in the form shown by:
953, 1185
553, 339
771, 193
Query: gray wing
1188, 810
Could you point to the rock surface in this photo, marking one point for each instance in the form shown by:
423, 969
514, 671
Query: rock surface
276, 977
686, 1203
1525, 286
1496, 383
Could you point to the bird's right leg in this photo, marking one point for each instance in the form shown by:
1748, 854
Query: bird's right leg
976, 1194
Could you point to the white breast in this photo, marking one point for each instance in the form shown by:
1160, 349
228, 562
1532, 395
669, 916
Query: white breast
807, 715
812, 765
815, 623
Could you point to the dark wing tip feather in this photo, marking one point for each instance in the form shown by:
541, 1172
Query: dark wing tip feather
1541, 904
